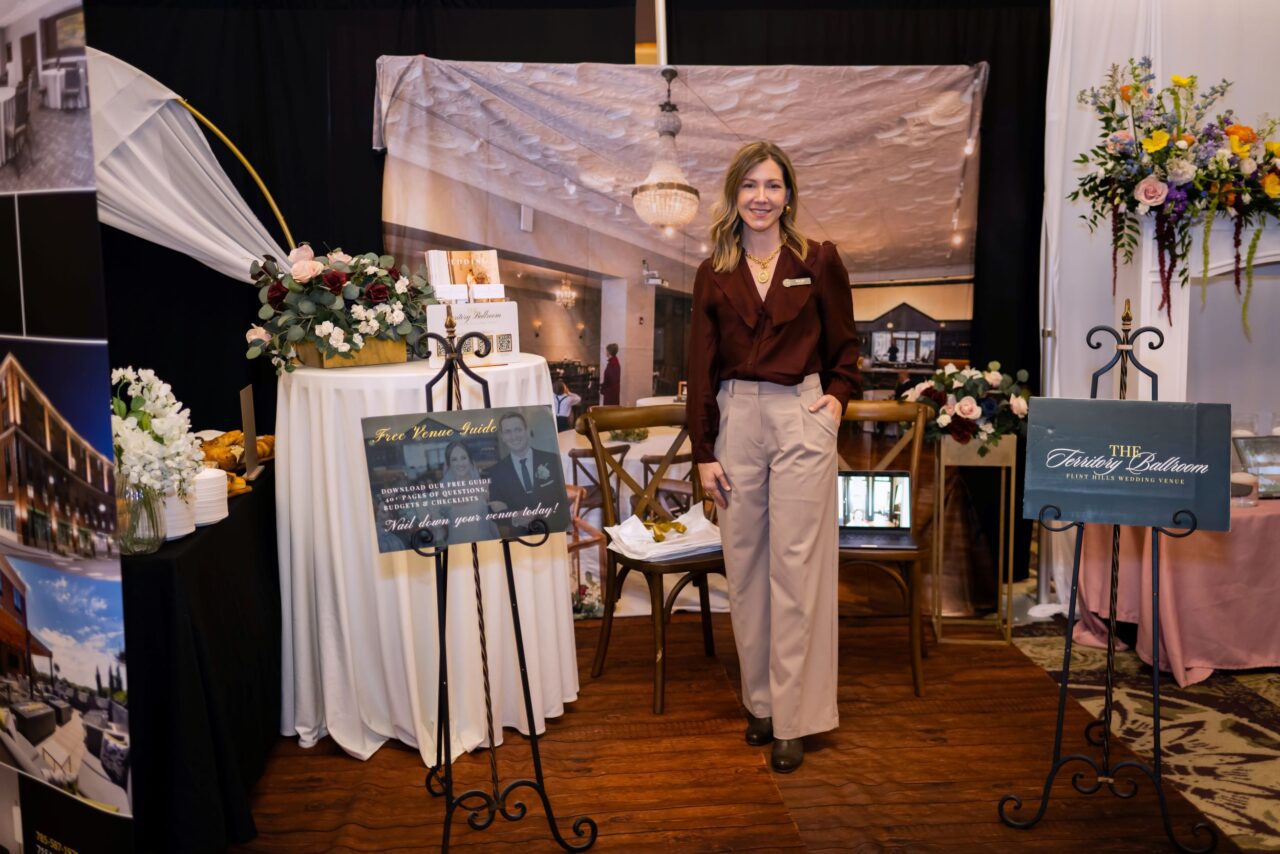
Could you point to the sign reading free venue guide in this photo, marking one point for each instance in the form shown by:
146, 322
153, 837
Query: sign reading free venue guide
1129, 462
465, 476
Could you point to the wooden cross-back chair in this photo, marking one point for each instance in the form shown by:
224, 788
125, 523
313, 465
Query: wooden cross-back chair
18, 138
71, 89
674, 492
904, 566
691, 570
594, 496
582, 535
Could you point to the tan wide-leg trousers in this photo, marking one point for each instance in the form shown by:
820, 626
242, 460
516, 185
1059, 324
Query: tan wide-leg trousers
781, 545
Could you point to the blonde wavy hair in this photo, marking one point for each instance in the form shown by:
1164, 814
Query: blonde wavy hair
726, 223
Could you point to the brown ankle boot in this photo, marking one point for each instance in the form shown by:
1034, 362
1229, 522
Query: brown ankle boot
788, 753
759, 730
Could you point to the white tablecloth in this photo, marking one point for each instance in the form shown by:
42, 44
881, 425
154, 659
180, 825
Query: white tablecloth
658, 401
635, 592
359, 629
53, 80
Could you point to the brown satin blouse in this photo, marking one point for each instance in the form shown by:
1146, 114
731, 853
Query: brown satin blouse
796, 331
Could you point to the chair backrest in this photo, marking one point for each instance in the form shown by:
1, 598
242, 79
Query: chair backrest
71, 78
577, 455
21, 105
897, 411
652, 461
602, 419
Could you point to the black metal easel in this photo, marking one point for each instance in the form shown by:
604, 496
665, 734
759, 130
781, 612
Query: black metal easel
1098, 732
484, 806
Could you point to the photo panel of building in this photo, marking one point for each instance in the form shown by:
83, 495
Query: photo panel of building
57, 476
63, 687
46, 144
64, 697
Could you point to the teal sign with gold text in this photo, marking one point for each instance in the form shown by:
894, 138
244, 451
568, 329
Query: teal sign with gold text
1129, 462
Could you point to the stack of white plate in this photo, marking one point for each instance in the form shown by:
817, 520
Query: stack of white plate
210, 496
179, 515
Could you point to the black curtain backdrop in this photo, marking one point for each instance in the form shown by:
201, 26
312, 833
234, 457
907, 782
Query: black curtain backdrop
292, 85
1013, 37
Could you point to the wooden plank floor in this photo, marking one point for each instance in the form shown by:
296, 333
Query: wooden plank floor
902, 774
680, 781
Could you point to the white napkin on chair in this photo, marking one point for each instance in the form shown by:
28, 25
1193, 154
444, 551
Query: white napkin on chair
634, 540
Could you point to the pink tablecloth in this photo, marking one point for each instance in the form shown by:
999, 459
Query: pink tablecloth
1219, 593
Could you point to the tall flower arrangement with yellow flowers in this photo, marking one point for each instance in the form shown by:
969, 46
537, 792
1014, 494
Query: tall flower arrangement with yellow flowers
1163, 153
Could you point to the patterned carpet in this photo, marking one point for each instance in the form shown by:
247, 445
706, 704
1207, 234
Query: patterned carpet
1221, 737
61, 154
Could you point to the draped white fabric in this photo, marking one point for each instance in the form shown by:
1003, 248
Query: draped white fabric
1232, 40
360, 643
158, 178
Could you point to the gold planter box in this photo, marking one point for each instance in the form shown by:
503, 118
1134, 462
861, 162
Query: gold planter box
1003, 455
375, 351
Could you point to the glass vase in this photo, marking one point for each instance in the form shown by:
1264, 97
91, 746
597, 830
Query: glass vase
139, 519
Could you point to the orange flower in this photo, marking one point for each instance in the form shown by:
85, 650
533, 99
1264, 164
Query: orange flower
1225, 191
1126, 93
1189, 139
1244, 133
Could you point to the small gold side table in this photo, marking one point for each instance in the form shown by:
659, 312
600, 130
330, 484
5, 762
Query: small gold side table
1004, 456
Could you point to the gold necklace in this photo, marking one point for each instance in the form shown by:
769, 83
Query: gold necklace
763, 276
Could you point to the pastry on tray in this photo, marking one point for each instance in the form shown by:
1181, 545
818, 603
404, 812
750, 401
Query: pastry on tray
226, 451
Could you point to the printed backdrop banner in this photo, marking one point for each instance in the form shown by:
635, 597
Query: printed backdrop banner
66, 744
1129, 462
465, 476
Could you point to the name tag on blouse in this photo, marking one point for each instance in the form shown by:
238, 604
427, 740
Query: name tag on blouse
791, 283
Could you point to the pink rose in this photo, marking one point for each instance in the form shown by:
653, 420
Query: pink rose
913, 394
969, 408
993, 378
1019, 406
257, 335
337, 256
1151, 191
305, 271
301, 253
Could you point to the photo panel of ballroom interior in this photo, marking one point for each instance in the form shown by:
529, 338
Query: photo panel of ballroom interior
44, 97
600, 219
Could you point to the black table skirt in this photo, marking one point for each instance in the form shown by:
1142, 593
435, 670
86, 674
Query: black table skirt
202, 628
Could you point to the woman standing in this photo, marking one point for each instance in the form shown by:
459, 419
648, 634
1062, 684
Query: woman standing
773, 362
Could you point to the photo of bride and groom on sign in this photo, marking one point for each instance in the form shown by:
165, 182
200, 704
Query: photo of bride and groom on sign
466, 476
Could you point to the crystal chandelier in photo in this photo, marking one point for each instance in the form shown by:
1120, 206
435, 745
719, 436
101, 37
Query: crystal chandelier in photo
665, 198
566, 296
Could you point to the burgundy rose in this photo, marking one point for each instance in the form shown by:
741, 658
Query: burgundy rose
393, 272
377, 293
962, 429
334, 281
937, 395
276, 294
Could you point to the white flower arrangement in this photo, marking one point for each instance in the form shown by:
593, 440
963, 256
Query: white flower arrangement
151, 432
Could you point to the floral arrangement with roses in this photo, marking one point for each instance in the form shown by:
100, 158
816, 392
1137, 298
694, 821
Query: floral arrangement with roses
336, 302
976, 405
1164, 154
